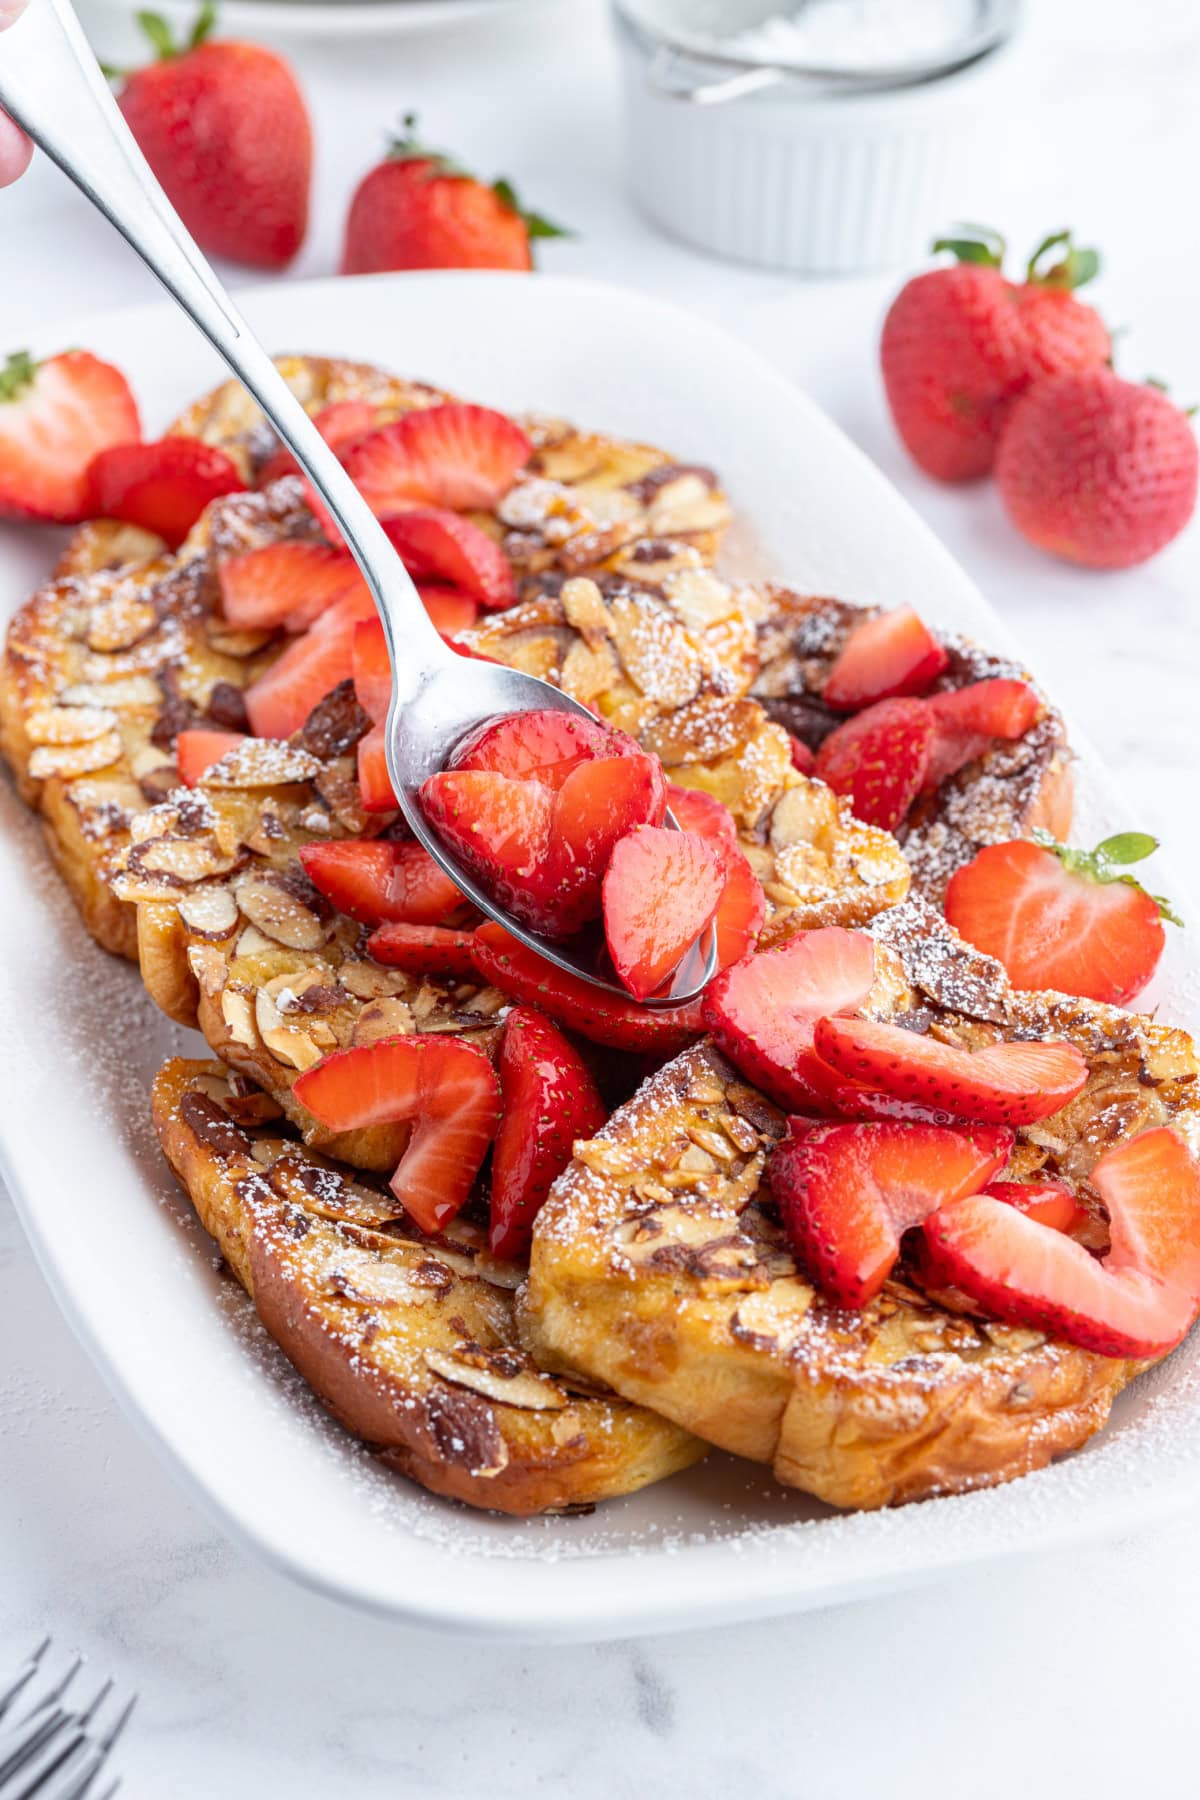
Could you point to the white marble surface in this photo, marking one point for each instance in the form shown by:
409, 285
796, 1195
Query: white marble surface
1074, 1675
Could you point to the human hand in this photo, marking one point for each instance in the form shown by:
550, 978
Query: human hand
15, 147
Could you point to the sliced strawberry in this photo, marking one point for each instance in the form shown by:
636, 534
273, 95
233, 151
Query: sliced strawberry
803, 759
372, 669
1051, 1203
197, 749
1073, 920
374, 782
450, 610
742, 909
1150, 1186
891, 654
424, 949
340, 424
1003, 1084
763, 1011
661, 889
440, 545
289, 583
967, 721
694, 810
848, 1193
544, 746
457, 456
278, 703
594, 1014
879, 760
55, 416
597, 805
500, 830
448, 1090
374, 880
162, 487
550, 1100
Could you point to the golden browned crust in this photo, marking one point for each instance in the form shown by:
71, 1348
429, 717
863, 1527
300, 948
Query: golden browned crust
409, 1341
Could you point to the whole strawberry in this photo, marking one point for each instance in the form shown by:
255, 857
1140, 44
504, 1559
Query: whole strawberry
960, 344
1098, 470
419, 210
225, 129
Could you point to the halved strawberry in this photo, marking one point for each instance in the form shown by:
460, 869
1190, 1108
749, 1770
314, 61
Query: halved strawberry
500, 831
763, 1011
660, 891
595, 807
289, 583
198, 748
893, 653
55, 416
278, 703
848, 1193
437, 544
1051, 1203
374, 880
742, 908
804, 760
162, 487
1138, 1302
544, 746
374, 783
1004, 1084
1074, 920
424, 949
448, 1090
968, 720
458, 456
594, 1014
550, 1099
695, 810
450, 610
879, 760
340, 424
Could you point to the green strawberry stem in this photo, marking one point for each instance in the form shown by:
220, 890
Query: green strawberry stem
1073, 269
1108, 860
977, 244
409, 148
162, 38
16, 375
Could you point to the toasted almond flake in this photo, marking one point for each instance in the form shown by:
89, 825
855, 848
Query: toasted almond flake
183, 860
700, 599
387, 1017
262, 763
69, 724
583, 604
209, 967
251, 942
586, 673
375, 1281
119, 623
806, 813
227, 640
280, 913
655, 651
65, 761
369, 981
127, 693
209, 912
237, 1010
286, 1042
525, 1389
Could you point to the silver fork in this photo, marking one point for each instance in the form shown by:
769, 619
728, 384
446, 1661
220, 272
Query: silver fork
51, 84
50, 1750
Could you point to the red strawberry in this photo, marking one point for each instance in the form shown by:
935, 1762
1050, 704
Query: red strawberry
162, 487
1098, 470
374, 782
340, 424
197, 749
1138, 1302
371, 665
450, 609
55, 416
1051, 1203
762, 1012
455, 456
661, 889
280, 700
542, 746
499, 829
848, 1193
594, 1014
420, 210
440, 545
961, 343
550, 1100
892, 654
289, 583
1004, 1084
803, 759
1073, 920
225, 129
375, 879
597, 804
879, 760
967, 720
446, 1088
424, 949
742, 909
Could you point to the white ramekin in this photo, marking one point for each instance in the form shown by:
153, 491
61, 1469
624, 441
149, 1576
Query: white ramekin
825, 184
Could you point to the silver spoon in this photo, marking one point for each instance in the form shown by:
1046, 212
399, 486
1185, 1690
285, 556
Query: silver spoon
51, 84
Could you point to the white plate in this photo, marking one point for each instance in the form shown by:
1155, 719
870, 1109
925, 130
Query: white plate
79, 1043
330, 18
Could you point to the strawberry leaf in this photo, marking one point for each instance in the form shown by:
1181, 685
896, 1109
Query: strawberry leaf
154, 27
983, 247
536, 224
1104, 863
17, 374
1126, 847
1072, 270
206, 20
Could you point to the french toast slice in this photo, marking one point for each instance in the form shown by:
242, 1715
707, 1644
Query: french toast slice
1005, 793
409, 1341
659, 1265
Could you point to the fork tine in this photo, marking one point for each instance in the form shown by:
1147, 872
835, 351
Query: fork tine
122, 1721
110, 1791
22, 1741
56, 1693
27, 1777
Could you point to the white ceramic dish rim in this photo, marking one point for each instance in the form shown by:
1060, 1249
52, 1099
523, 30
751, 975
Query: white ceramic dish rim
465, 1573
332, 19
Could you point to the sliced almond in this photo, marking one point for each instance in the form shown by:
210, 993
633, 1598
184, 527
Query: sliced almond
237, 1010
587, 673
120, 623
806, 813
287, 1042
368, 981
524, 1388
280, 911
209, 967
687, 504
227, 640
182, 860
69, 724
148, 759
700, 599
262, 763
65, 761
128, 693
375, 1281
583, 604
387, 1017
655, 651
209, 912
251, 942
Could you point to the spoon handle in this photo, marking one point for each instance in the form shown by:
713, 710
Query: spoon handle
51, 84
